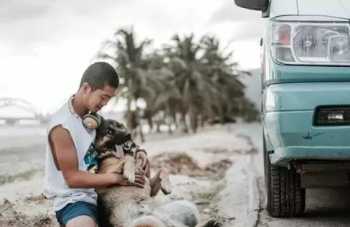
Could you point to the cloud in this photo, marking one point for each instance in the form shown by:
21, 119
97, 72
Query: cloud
236, 22
26, 25
230, 12
29, 24
17, 10
53, 41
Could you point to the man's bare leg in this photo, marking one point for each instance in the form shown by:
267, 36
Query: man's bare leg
82, 220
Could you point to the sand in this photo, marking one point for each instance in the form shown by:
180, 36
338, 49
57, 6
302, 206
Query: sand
199, 165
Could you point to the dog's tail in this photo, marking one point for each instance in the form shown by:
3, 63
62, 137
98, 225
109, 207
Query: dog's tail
180, 211
148, 221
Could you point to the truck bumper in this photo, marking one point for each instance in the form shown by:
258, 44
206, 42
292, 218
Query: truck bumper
291, 136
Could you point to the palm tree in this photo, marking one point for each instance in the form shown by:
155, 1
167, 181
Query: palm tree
195, 87
192, 80
129, 56
224, 75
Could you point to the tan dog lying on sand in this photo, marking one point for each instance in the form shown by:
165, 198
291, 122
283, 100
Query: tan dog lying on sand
132, 205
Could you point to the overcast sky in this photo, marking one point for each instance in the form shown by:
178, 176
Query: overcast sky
45, 45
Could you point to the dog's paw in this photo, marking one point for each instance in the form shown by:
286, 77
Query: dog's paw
129, 168
93, 169
165, 184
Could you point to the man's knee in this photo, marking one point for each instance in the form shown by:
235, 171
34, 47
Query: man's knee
82, 220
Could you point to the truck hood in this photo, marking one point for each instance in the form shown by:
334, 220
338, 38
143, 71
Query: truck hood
332, 8
335, 8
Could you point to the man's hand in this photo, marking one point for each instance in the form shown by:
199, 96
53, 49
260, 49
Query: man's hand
141, 157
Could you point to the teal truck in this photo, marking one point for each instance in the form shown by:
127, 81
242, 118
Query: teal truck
306, 98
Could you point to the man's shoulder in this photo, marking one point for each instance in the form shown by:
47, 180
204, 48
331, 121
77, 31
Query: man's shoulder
61, 116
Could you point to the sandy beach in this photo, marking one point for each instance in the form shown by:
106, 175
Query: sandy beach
198, 164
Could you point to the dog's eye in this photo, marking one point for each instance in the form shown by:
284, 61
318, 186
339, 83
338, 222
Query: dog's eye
109, 131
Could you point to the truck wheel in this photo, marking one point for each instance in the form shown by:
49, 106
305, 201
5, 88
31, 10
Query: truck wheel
285, 197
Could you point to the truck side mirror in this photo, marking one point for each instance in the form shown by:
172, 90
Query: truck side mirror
260, 5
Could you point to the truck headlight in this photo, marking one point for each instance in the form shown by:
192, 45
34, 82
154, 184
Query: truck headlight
311, 41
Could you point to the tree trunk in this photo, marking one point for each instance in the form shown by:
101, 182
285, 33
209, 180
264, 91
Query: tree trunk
184, 123
149, 117
128, 112
142, 136
158, 126
150, 123
202, 120
170, 131
193, 121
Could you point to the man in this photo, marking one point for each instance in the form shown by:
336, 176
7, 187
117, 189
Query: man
67, 180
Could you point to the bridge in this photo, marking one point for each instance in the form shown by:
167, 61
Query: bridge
13, 110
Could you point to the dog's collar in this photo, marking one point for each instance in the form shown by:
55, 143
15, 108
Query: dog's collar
101, 153
93, 145
106, 154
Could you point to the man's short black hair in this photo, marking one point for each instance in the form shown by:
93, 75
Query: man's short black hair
100, 74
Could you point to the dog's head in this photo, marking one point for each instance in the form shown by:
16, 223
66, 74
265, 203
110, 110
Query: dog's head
109, 134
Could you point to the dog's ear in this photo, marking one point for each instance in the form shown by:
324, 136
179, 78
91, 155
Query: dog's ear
101, 127
119, 125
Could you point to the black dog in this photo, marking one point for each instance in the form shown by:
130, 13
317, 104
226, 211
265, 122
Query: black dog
113, 140
133, 206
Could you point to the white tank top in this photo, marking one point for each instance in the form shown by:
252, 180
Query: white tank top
55, 186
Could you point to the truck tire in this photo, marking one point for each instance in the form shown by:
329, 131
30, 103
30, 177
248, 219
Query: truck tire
285, 197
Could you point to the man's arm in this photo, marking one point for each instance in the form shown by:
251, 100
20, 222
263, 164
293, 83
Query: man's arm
66, 158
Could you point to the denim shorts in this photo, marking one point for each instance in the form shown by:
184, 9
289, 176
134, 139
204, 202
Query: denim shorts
76, 209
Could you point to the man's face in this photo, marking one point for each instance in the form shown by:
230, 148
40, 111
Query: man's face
96, 99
